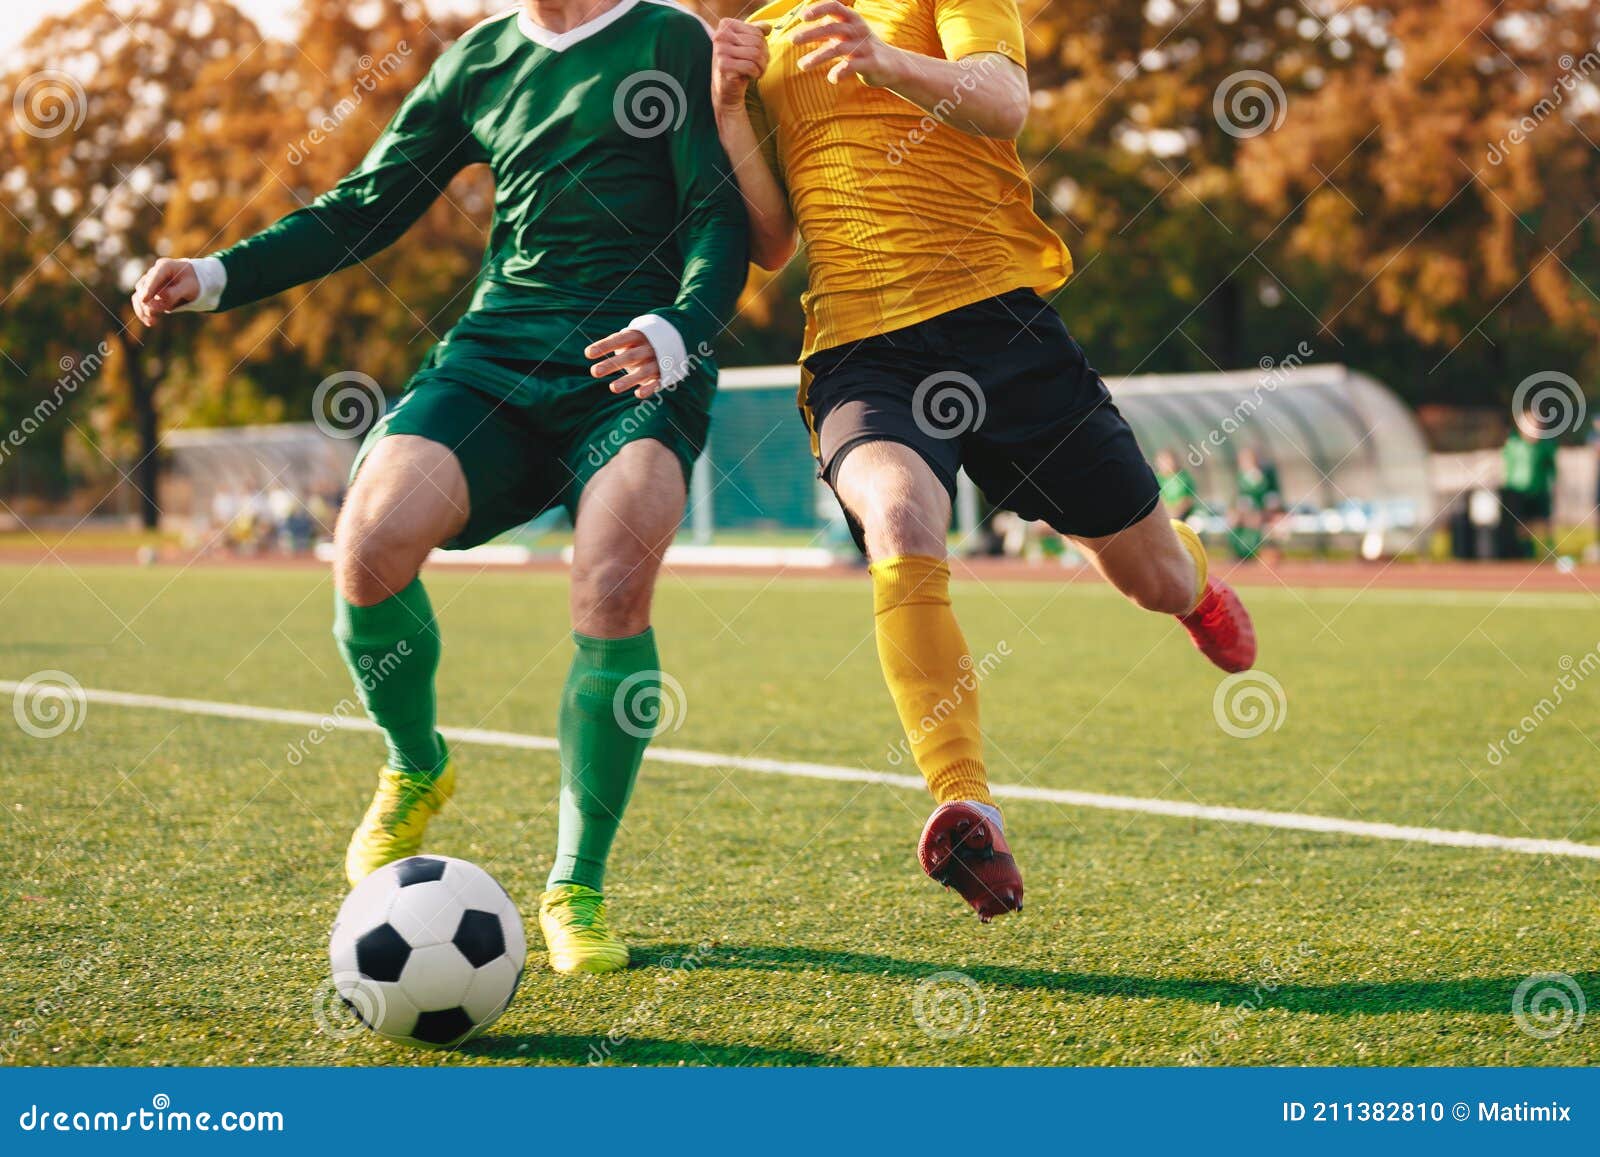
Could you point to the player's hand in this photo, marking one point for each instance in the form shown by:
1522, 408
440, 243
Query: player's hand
738, 55
164, 287
849, 46
629, 354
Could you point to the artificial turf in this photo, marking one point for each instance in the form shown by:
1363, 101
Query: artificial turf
169, 878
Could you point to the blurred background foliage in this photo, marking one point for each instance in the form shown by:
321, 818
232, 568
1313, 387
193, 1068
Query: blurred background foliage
1408, 187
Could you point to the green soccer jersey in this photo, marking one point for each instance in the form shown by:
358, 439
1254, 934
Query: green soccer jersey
1258, 488
1178, 488
1530, 464
614, 205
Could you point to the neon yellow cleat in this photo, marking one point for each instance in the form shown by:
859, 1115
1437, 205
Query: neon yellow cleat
573, 920
394, 825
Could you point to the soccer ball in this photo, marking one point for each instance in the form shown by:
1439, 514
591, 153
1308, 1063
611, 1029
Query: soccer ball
427, 951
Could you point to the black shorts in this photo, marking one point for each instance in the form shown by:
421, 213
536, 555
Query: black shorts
1528, 507
1000, 389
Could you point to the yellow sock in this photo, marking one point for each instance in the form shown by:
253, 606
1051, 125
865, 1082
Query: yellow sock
930, 674
1197, 550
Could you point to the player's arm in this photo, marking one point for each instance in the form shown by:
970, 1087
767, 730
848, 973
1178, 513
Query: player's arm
422, 148
662, 348
982, 86
739, 58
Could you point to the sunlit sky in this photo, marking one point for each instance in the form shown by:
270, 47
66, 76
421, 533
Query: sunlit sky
274, 17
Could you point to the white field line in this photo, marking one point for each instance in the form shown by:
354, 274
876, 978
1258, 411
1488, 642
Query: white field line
1291, 821
1506, 600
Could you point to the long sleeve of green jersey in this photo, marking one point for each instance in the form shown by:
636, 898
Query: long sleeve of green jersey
714, 232
422, 148
600, 224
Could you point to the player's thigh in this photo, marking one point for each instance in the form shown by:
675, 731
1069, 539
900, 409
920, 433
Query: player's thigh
876, 407
626, 518
1052, 445
409, 496
897, 500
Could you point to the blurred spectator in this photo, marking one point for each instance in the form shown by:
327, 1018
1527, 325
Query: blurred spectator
248, 522
323, 508
296, 534
244, 529
225, 505
1178, 490
1528, 494
1259, 506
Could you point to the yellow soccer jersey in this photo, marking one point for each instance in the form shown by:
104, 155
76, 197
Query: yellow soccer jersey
904, 218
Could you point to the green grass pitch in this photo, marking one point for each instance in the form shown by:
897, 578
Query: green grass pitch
169, 879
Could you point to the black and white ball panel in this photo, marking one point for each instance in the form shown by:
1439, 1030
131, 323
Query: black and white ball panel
419, 870
428, 950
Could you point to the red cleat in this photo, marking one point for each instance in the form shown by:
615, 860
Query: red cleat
963, 849
1221, 628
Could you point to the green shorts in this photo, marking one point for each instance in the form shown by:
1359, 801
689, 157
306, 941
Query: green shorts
530, 436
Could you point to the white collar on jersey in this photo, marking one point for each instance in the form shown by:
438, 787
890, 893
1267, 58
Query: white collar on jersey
561, 41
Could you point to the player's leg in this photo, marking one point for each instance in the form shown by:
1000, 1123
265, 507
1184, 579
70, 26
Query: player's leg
1157, 563
1053, 446
627, 515
1160, 565
409, 496
903, 511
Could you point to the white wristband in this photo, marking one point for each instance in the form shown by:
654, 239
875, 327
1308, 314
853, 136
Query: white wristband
667, 343
213, 278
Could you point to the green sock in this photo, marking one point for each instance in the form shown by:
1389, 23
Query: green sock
392, 650
607, 716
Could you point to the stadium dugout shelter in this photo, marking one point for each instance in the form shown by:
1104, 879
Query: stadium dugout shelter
211, 473
1351, 460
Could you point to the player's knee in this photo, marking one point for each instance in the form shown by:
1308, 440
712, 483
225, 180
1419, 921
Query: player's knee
611, 598
895, 525
1167, 590
374, 559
